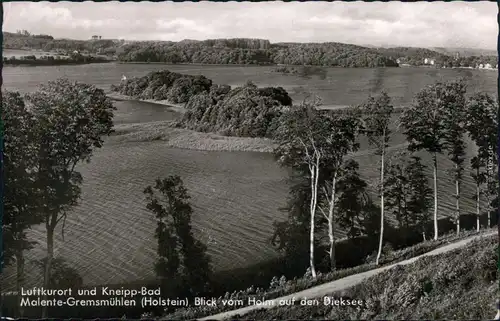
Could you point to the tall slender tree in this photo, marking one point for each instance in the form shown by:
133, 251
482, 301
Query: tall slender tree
479, 177
454, 118
342, 132
299, 147
377, 120
482, 126
424, 130
70, 122
314, 143
419, 203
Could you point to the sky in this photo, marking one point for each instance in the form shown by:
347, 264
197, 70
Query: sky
423, 24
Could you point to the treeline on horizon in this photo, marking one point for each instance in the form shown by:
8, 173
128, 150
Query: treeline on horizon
247, 51
32, 60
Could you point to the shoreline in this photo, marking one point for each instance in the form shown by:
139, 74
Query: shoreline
120, 97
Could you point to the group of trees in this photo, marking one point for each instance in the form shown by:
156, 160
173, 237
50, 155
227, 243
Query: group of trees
48, 43
49, 132
46, 134
318, 146
242, 111
164, 85
245, 51
254, 51
73, 58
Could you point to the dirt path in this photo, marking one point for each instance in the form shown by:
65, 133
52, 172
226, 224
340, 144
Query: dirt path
342, 284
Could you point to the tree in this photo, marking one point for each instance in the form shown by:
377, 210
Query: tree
454, 112
482, 127
297, 148
20, 196
71, 119
424, 129
479, 177
408, 194
342, 131
396, 190
377, 119
352, 199
180, 255
314, 144
419, 201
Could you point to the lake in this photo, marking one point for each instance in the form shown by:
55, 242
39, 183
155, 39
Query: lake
109, 237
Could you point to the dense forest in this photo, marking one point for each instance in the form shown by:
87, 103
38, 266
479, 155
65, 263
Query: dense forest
72, 59
255, 51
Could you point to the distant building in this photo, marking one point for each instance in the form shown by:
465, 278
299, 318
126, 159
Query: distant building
96, 37
428, 61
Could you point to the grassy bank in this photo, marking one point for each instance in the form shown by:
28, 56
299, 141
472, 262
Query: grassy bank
281, 287
188, 139
175, 107
446, 286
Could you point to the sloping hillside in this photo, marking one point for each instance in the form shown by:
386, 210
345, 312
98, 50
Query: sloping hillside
458, 285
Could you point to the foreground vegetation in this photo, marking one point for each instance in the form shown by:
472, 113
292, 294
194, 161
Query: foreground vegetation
280, 287
445, 286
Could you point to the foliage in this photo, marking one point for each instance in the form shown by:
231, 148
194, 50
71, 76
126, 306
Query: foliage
164, 85
70, 122
19, 198
482, 127
254, 51
353, 204
246, 111
181, 256
408, 194
62, 276
73, 59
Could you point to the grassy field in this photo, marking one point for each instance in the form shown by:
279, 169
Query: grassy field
438, 287
236, 192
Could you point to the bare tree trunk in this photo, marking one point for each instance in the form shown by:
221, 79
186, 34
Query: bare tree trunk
50, 225
19, 280
457, 203
380, 243
314, 193
435, 198
331, 223
478, 206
